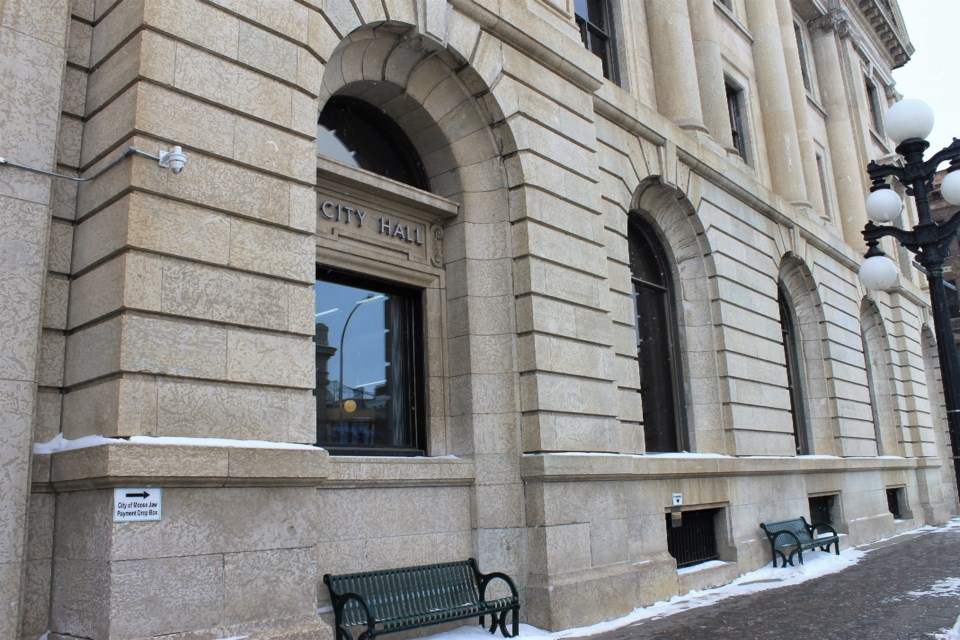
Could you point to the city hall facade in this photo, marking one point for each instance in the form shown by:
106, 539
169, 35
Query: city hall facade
568, 287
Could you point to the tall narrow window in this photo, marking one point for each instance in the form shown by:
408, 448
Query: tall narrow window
594, 18
875, 105
824, 183
804, 61
657, 346
370, 380
791, 352
735, 110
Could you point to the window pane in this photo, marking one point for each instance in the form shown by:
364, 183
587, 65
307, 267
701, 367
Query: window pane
736, 120
593, 19
656, 370
802, 51
657, 355
359, 134
367, 365
794, 373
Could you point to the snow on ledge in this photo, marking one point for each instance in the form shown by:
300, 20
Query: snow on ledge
59, 443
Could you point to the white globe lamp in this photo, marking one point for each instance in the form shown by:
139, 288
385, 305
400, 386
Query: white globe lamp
884, 205
950, 188
878, 273
909, 118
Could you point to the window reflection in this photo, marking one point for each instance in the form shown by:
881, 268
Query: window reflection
361, 135
368, 372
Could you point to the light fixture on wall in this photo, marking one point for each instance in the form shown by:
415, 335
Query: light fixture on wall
175, 160
908, 124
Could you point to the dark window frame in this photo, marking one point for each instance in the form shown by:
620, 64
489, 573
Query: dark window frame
594, 18
824, 182
874, 105
793, 356
661, 376
804, 58
738, 123
822, 508
412, 404
694, 541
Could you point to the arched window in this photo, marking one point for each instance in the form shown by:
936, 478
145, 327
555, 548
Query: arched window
370, 355
882, 397
794, 362
658, 353
361, 135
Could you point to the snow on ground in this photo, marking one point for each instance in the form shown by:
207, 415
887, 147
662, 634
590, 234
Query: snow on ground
817, 564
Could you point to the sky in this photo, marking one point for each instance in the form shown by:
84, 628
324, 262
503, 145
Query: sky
932, 27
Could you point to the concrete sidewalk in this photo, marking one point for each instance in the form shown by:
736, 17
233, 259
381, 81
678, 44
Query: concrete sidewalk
907, 588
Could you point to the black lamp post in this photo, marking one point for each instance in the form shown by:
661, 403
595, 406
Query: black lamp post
909, 122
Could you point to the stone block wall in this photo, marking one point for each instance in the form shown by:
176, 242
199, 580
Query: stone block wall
152, 305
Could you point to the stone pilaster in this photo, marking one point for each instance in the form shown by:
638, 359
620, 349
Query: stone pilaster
675, 71
827, 33
34, 38
779, 123
706, 51
798, 95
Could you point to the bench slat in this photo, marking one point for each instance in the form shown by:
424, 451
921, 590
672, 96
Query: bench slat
411, 597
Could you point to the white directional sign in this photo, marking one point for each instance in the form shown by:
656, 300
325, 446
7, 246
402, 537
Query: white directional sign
136, 505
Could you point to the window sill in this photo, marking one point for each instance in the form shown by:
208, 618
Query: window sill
374, 471
182, 465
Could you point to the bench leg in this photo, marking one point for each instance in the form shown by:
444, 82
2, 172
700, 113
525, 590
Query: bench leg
494, 621
503, 624
782, 557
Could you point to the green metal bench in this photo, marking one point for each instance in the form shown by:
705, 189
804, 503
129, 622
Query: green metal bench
411, 597
796, 535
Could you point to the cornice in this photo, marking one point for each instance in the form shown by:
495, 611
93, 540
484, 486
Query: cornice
890, 34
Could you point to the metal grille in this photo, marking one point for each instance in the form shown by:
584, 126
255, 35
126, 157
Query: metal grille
893, 502
695, 540
820, 509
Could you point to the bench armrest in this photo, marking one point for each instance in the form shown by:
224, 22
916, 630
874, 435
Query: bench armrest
822, 527
340, 601
487, 578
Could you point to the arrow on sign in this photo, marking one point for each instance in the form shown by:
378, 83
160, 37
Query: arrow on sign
138, 495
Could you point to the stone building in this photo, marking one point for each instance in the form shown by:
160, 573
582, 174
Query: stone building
569, 287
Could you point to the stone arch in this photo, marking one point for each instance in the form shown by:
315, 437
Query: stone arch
673, 219
818, 390
880, 380
433, 95
446, 110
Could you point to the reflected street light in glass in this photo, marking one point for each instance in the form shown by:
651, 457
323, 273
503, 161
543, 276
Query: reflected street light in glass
357, 305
